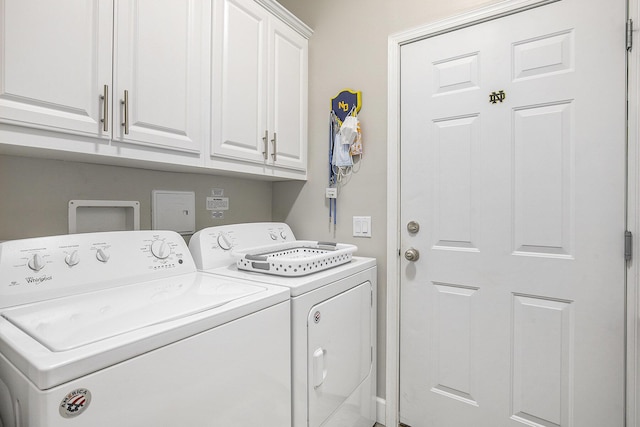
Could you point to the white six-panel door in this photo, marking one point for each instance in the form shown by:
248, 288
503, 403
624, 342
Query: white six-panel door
514, 312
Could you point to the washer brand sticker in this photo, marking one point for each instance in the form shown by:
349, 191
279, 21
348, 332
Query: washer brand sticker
75, 403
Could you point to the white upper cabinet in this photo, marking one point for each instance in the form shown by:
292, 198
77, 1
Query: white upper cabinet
134, 82
159, 59
66, 67
259, 87
55, 58
239, 81
288, 97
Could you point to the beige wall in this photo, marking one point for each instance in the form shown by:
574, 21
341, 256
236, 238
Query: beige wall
349, 50
34, 194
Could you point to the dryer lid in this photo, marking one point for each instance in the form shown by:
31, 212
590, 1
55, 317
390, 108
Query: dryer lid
71, 322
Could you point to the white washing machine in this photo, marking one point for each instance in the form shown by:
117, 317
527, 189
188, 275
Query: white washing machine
119, 329
333, 315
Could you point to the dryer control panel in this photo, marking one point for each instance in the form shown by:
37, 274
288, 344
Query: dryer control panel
213, 247
51, 267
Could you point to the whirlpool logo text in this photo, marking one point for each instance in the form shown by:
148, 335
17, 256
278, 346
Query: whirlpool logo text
38, 280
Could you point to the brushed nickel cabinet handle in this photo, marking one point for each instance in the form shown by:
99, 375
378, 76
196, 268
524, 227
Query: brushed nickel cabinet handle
125, 102
274, 140
105, 108
265, 142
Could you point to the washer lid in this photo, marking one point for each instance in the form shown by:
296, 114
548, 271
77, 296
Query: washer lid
72, 322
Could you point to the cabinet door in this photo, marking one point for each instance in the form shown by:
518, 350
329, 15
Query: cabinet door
288, 96
160, 59
55, 58
239, 81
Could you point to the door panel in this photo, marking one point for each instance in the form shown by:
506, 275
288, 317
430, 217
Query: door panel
512, 161
541, 352
542, 179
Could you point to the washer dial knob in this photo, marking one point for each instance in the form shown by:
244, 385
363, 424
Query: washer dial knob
72, 259
160, 249
36, 262
224, 242
283, 235
102, 255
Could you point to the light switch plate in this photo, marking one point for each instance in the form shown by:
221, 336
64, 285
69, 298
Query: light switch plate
361, 226
174, 210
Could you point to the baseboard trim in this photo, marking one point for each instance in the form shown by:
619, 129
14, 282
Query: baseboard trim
381, 410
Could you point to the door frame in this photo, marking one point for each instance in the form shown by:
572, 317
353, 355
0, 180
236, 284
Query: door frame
393, 258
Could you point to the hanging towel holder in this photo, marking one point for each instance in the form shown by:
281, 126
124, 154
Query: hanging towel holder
345, 103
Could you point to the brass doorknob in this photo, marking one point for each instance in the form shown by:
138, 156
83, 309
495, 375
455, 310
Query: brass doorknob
412, 255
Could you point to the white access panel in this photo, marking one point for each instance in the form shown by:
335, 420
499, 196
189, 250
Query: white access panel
339, 350
174, 210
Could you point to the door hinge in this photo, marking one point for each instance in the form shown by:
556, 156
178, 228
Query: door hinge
628, 245
629, 34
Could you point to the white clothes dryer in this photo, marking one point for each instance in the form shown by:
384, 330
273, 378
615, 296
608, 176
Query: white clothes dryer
333, 314
119, 329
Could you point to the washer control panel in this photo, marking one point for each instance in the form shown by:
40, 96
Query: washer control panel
50, 267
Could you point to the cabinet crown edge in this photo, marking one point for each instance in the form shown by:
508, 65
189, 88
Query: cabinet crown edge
289, 18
